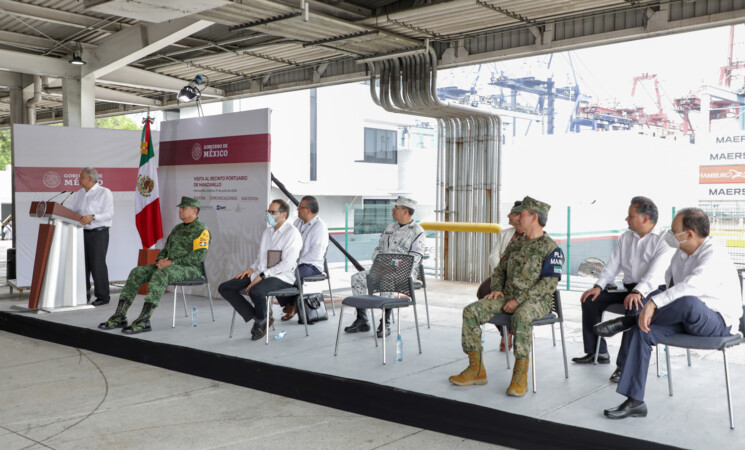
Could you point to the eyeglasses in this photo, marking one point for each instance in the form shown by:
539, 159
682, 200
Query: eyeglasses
272, 212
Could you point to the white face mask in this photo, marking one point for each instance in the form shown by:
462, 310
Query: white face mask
669, 238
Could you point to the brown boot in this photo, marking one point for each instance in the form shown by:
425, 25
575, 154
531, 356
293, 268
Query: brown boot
475, 373
519, 383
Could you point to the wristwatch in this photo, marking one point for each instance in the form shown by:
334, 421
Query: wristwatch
262, 275
93, 217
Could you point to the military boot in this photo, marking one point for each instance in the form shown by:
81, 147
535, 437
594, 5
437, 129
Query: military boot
142, 323
519, 383
119, 319
475, 373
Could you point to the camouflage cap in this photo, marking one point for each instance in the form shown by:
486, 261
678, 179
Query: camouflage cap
533, 205
405, 201
514, 209
188, 201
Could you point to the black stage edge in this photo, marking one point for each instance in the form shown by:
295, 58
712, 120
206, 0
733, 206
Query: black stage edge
360, 397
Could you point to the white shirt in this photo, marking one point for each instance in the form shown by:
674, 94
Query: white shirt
708, 274
642, 260
98, 201
503, 240
286, 239
315, 236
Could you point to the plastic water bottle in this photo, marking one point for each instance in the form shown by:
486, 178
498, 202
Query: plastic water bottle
280, 335
194, 316
483, 334
399, 349
663, 363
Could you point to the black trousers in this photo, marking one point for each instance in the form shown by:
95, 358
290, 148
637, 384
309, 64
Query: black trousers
96, 245
233, 289
592, 312
306, 270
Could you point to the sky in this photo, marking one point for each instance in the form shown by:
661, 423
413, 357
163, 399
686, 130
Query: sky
682, 62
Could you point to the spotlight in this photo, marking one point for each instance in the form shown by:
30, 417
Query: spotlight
190, 91
77, 59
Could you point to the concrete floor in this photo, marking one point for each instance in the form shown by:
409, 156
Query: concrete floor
60, 397
696, 417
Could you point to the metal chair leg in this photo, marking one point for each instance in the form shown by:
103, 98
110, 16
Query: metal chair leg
688, 354
426, 305
212, 309
564, 350
183, 297
506, 345
657, 353
375, 334
416, 327
729, 392
232, 324
175, 300
338, 330
268, 313
553, 334
305, 315
669, 371
398, 319
331, 294
597, 350
384, 324
532, 354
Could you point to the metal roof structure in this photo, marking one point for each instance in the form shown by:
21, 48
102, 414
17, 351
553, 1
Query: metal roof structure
140, 53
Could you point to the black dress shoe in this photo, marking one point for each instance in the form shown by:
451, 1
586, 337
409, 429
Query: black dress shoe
616, 375
613, 327
629, 408
359, 325
259, 330
100, 302
387, 329
603, 358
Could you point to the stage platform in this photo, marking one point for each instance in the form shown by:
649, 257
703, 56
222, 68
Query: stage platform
564, 413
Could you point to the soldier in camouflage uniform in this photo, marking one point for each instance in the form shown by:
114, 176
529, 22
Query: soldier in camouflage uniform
181, 259
403, 236
522, 285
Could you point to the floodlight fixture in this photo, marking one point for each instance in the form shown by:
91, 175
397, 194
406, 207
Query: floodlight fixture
190, 91
77, 59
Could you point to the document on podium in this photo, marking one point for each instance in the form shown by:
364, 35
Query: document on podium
273, 257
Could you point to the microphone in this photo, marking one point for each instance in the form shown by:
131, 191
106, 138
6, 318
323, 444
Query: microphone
56, 195
68, 196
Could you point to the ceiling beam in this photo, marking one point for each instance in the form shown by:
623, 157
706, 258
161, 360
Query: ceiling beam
37, 65
137, 42
109, 95
142, 79
11, 79
59, 17
26, 41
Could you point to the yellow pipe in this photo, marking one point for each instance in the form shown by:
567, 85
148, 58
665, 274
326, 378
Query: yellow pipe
462, 226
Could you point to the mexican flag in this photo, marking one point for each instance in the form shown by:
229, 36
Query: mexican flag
147, 203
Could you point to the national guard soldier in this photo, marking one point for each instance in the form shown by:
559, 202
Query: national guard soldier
522, 285
403, 236
181, 259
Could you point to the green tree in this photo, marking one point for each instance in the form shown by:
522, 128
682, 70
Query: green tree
4, 148
117, 123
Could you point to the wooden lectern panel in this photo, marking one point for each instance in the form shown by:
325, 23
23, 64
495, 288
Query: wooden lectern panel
43, 244
53, 210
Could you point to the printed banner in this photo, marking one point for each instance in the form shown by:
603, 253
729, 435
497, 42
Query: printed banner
48, 161
224, 162
722, 170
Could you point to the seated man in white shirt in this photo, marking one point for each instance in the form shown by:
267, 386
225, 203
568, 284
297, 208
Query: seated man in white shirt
96, 204
266, 275
642, 255
315, 236
702, 299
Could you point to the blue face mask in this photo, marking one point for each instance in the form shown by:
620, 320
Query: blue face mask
271, 220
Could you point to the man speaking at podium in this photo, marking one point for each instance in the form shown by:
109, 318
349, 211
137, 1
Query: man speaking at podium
96, 204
